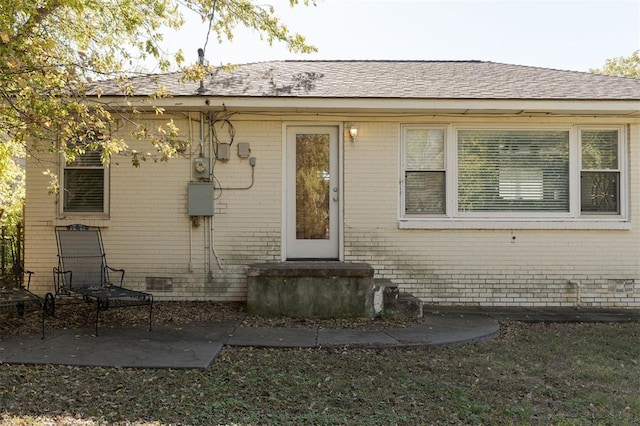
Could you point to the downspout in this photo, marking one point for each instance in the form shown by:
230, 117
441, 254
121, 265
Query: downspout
190, 224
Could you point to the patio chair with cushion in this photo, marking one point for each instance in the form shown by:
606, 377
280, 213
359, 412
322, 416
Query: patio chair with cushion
83, 271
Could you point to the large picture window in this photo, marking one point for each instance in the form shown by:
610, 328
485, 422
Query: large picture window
85, 184
513, 171
463, 173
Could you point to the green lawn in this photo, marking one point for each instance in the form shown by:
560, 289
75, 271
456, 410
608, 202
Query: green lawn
533, 374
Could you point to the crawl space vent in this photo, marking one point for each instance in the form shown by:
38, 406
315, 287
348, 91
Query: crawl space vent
159, 283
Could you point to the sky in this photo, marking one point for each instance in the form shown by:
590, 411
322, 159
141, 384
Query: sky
576, 35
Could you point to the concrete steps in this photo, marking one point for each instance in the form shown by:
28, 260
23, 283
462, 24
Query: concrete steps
394, 302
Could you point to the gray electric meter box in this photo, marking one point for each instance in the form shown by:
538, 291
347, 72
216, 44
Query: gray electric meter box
200, 199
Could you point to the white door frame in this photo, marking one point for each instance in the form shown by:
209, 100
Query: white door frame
285, 195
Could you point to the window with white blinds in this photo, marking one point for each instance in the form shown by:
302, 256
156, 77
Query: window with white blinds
513, 171
553, 173
424, 171
84, 184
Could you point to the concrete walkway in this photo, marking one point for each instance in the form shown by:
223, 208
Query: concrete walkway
198, 345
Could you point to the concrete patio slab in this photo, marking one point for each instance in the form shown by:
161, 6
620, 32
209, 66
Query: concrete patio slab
192, 346
197, 345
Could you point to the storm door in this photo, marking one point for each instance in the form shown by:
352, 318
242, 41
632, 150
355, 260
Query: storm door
312, 193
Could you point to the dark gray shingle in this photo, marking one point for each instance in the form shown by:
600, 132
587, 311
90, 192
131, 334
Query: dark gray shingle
396, 79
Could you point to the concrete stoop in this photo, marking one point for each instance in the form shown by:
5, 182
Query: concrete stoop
395, 303
310, 289
325, 289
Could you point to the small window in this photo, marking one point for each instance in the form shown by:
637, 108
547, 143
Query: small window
424, 179
85, 184
600, 172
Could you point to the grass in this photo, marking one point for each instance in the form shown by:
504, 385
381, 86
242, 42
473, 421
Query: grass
561, 374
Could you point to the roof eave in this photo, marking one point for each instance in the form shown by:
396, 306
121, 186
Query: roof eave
629, 107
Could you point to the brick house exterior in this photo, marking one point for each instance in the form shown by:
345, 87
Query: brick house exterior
468, 183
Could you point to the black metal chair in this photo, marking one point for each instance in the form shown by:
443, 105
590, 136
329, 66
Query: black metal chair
15, 295
83, 271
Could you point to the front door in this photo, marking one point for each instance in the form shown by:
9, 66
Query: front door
312, 193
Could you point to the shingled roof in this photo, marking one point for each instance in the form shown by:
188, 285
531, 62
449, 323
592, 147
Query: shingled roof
394, 80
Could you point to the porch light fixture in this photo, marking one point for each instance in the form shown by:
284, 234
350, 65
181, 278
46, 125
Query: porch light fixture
353, 132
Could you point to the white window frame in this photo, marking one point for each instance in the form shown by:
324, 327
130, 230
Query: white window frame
64, 165
621, 170
445, 169
572, 219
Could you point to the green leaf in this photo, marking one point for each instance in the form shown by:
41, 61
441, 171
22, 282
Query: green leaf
621, 66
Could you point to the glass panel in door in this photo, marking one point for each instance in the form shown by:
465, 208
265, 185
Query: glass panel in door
312, 204
312, 186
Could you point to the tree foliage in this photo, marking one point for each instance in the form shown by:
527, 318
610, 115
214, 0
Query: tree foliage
11, 184
53, 51
623, 66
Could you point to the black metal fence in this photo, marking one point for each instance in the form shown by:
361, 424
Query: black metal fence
12, 254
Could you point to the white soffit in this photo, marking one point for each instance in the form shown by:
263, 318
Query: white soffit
437, 106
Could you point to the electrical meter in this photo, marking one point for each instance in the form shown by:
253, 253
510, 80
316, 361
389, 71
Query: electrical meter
201, 167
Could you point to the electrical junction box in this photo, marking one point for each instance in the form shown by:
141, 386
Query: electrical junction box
244, 150
200, 199
201, 167
224, 152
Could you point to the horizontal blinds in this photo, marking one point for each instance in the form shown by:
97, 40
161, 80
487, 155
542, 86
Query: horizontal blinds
88, 159
513, 171
425, 193
84, 190
424, 171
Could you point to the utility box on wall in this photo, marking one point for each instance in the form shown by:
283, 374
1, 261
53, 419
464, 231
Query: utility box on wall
200, 199
201, 167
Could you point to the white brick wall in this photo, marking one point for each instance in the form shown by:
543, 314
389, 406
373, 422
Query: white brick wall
149, 233
483, 267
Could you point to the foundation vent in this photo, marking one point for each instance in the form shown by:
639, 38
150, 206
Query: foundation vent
622, 286
159, 283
